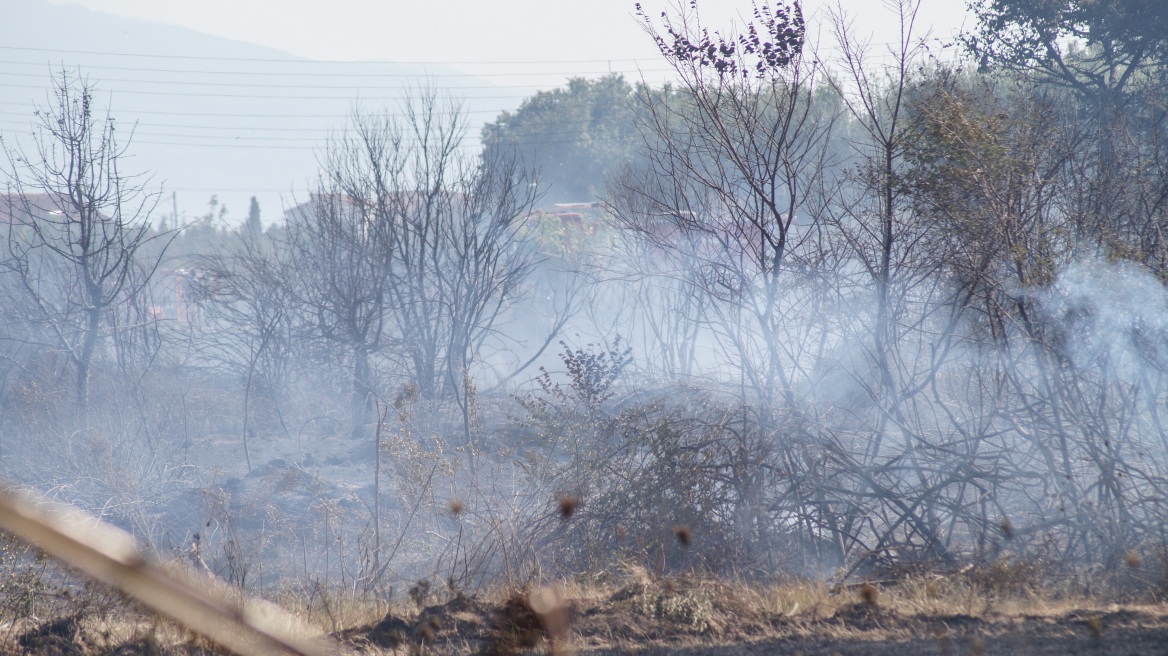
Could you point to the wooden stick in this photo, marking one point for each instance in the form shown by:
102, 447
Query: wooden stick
250, 627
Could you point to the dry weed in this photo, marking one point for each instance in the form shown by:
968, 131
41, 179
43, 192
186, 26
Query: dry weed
1007, 528
1133, 559
1095, 625
869, 594
567, 505
420, 593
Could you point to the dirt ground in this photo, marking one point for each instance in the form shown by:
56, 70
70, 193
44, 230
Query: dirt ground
645, 616
1124, 634
679, 622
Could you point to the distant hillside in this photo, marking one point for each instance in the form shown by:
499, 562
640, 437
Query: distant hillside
213, 116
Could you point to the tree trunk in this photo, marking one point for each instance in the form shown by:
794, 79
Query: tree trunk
362, 390
85, 358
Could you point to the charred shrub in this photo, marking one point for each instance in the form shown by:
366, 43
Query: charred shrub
638, 469
687, 488
24, 580
592, 375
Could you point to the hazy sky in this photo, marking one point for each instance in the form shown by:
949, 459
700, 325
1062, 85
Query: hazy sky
246, 131
469, 30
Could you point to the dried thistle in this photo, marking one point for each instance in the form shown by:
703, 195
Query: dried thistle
553, 612
944, 642
567, 505
419, 593
1133, 559
1095, 624
456, 507
517, 626
869, 594
933, 589
1007, 529
683, 534
428, 630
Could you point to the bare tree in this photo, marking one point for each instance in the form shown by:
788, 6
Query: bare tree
253, 318
732, 157
340, 276
76, 224
458, 248
411, 251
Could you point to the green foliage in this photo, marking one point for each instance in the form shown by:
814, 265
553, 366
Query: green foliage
254, 225
1083, 43
576, 137
982, 162
205, 235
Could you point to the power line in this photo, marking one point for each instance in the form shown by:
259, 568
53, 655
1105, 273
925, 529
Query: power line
211, 145
273, 97
252, 142
242, 141
221, 128
319, 61
225, 128
247, 190
203, 144
32, 104
317, 140
473, 143
147, 133
88, 67
257, 85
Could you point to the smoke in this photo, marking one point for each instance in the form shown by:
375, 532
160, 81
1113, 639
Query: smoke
406, 390
1112, 314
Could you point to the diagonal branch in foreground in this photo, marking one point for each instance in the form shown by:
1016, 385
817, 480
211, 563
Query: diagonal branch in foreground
251, 627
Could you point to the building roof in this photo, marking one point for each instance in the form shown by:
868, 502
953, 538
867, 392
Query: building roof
44, 206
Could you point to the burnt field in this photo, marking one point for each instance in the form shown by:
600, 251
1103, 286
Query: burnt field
973, 612
679, 616
858, 356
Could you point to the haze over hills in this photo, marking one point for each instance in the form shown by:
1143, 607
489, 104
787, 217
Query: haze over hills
211, 115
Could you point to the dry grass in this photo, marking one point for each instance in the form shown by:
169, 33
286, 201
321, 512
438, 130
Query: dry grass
634, 609
630, 608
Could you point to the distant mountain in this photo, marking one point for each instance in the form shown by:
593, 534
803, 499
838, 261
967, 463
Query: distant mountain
213, 116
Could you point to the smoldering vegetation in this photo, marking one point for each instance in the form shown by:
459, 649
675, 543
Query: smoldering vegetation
837, 322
